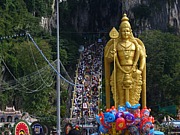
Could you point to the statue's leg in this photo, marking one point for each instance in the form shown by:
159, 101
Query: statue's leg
120, 91
121, 96
132, 95
137, 87
127, 86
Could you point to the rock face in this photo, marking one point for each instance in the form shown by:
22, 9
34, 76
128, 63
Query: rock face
95, 16
48, 23
174, 14
102, 15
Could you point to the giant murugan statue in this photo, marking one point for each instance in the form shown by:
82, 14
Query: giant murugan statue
127, 77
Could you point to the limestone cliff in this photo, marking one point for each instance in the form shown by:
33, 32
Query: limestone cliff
102, 15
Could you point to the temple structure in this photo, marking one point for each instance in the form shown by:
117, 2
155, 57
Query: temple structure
10, 116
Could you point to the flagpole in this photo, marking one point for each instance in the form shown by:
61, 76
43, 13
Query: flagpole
58, 77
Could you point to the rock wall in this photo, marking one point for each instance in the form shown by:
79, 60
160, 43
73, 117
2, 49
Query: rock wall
102, 15
162, 14
173, 11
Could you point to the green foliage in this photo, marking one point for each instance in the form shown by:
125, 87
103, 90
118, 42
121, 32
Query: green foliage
39, 104
23, 59
4, 99
13, 52
39, 7
162, 68
48, 119
15, 18
20, 56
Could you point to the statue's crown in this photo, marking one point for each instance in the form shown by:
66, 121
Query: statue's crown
125, 22
124, 18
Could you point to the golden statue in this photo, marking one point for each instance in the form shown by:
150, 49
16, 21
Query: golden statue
127, 54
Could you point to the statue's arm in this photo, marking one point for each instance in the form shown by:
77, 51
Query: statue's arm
142, 59
109, 49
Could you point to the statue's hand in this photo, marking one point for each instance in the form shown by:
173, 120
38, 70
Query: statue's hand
113, 52
139, 72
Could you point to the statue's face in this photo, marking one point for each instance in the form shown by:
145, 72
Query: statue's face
125, 33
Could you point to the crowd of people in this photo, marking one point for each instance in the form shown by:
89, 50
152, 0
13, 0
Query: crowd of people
87, 91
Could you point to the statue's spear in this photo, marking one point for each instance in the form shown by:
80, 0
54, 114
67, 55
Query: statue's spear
113, 35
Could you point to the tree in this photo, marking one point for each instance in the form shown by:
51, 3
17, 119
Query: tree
28, 83
162, 68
